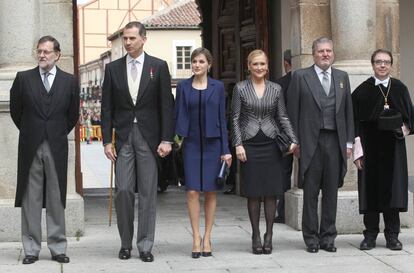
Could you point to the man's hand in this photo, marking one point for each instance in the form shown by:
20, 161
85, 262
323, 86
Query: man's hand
241, 153
348, 152
110, 152
164, 149
359, 164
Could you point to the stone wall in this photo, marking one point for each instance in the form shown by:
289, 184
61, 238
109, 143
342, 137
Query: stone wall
22, 23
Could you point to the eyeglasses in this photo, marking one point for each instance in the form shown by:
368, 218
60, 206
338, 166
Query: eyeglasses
45, 52
382, 62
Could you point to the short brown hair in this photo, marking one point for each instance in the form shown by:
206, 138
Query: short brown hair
205, 52
141, 28
48, 38
381, 50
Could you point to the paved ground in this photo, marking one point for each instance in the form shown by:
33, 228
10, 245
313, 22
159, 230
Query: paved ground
97, 249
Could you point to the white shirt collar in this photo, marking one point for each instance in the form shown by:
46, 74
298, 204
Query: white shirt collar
51, 71
319, 70
139, 59
383, 82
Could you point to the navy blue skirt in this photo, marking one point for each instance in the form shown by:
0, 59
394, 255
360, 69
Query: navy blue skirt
201, 163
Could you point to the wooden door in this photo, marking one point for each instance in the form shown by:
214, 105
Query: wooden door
238, 27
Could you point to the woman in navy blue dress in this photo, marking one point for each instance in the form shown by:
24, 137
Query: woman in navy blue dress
200, 120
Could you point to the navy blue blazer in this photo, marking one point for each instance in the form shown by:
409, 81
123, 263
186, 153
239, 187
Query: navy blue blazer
214, 108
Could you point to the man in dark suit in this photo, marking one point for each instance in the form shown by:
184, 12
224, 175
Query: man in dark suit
137, 102
320, 109
44, 105
287, 160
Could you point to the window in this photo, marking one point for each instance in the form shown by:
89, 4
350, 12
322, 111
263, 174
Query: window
181, 52
183, 57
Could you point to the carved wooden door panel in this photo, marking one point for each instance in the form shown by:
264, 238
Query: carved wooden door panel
239, 26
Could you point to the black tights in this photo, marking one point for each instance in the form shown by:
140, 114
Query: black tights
253, 206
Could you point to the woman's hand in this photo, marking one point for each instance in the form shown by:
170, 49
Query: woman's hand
227, 158
296, 152
292, 148
241, 153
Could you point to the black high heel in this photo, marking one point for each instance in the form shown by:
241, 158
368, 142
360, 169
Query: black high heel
197, 254
257, 247
267, 244
207, 253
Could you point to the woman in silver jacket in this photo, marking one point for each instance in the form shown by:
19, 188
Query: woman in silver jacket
262, 134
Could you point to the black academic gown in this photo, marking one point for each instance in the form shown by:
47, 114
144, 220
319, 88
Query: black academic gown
383, 182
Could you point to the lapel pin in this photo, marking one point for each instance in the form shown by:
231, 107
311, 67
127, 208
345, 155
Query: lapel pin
341, 84
151, 73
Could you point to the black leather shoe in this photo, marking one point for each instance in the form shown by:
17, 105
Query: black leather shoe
146, 257
231, 190
257, 247
29, 259
367, 244
124, 254
394, 244
279, 220
312, 248
329, 248
61, 258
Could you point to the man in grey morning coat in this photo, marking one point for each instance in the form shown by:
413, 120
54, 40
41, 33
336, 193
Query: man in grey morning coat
44, 105
320, 109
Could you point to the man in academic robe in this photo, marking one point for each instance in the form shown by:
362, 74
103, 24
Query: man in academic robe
44, 105
320, 110
137, 102
380, 154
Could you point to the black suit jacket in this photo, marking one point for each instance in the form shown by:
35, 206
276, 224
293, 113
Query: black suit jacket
36, 125
154, 108
284, 83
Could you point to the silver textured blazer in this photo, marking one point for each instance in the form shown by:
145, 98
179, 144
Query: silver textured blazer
251, 113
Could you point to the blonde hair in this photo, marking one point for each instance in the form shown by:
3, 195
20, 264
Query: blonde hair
254, 54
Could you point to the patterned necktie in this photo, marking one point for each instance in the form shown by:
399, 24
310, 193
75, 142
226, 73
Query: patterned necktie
46, 81
134, 70
326, 84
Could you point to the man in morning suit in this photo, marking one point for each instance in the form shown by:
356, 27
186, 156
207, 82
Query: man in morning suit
320, 109
287, 160
137, 102
44, 105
